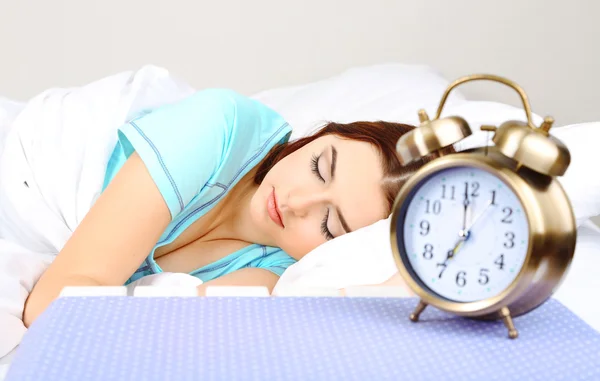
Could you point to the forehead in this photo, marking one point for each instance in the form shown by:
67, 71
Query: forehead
358, 180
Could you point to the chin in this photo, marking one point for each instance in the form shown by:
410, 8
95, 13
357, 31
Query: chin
294, 252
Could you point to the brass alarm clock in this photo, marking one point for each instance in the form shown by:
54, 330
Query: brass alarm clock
485, 233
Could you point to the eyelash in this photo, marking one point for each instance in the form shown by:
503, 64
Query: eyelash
314, 166
324, 228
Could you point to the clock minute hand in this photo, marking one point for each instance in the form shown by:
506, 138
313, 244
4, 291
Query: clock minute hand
468, 230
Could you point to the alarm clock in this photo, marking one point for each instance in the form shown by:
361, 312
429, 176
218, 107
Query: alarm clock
485, 233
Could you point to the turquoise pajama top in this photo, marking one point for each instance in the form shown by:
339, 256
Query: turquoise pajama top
196, 150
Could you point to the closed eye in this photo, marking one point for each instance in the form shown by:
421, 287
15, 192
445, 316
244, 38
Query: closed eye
325, 229
314, 166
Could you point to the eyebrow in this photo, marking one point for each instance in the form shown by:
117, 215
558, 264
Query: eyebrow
339, 212
333, 161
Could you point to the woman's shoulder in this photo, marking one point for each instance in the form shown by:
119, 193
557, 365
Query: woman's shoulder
251, 130
224, 112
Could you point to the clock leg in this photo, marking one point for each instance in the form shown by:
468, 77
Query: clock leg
505, 314
415, 315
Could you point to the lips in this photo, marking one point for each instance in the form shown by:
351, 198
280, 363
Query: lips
273, 209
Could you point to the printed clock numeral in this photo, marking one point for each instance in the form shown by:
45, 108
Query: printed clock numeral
507, 215
510, 240
424, 225
483, 276
451, 192
428, 253
443, 266
435, 206
500, 262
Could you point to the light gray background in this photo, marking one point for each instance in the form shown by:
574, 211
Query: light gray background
550, 47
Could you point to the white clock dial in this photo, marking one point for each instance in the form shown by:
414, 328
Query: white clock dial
465, 234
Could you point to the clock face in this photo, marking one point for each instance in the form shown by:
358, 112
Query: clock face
465, 234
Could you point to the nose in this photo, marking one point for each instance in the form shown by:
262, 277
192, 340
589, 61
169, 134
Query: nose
301, 202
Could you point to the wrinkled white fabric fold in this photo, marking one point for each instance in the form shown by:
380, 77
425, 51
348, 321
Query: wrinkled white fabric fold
52, 168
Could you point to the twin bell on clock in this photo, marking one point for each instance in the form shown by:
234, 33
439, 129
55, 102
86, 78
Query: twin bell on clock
486, 233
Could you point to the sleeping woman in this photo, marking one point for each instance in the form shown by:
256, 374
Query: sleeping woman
210, 186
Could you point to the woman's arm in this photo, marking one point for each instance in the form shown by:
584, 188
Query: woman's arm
108, 246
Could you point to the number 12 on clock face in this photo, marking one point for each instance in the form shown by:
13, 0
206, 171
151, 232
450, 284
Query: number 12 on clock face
465, 234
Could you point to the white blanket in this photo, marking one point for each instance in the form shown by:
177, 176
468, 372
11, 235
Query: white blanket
52, 169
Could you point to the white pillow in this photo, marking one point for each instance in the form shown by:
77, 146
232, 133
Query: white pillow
359, 258
391, 92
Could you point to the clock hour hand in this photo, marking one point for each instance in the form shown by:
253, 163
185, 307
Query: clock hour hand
452, 252
449, 255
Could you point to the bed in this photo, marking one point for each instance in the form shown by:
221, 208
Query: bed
392, 91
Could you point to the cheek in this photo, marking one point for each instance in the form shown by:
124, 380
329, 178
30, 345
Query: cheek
289, 172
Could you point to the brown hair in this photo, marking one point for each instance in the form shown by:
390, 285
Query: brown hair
383, 135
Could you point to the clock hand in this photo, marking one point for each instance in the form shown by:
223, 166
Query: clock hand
462, 234
466, 232
465, 212
459, 243
449, 255
477, 218
452, 252
465, 209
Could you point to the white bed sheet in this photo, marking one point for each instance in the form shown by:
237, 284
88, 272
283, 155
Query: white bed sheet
580, 287
5, 364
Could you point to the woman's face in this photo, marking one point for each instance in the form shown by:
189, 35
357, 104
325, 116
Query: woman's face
327, 188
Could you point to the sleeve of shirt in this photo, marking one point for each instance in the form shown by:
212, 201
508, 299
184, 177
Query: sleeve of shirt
184, 144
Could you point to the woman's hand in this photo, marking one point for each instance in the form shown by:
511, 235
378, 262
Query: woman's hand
113, 239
